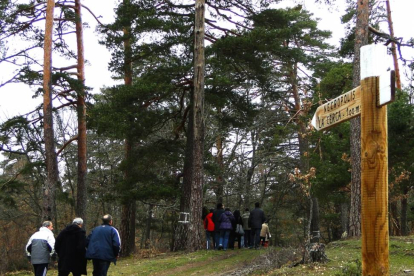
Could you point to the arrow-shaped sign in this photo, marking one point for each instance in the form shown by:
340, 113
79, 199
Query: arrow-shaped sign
338, 110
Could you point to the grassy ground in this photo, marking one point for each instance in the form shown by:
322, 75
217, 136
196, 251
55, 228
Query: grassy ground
344, 258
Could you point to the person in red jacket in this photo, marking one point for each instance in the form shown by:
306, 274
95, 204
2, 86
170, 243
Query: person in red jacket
209, 227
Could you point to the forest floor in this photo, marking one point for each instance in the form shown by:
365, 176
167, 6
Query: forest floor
344, 260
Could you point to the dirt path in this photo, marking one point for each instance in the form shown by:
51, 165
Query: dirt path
198, 267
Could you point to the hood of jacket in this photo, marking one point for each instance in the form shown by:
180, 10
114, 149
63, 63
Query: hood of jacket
72, 229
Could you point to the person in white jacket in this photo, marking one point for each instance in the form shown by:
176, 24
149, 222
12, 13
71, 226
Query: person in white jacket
40, 247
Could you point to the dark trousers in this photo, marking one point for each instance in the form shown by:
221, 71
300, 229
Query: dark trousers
239, 240
255, 237
247, 238
40, 269
232, 239
66, 273
209, 237
100, 267
216, 239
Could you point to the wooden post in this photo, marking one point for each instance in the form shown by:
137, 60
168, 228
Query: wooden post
370, 101
374, 181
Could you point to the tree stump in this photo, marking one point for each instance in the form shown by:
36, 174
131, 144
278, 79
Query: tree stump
315, 252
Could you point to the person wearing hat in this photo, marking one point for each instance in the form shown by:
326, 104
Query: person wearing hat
71, 248
103, 246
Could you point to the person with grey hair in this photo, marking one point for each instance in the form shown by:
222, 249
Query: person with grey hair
103, 246
40, 247
71, 248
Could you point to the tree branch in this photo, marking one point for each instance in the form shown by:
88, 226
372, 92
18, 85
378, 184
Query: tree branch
67, 143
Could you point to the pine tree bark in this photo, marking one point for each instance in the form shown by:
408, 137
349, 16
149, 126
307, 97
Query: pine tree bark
183, 228
128, 212
304, 166
394, 222
404, 204
127, 229
344, 218
189, 236
148, 227
404, 209
361, 39
51, 158
81, 196
250, 170
393, 47
220, 163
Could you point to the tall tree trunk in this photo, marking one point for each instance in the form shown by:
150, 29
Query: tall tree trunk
394, 222
148, 227
81, 197
183, 228
404, 209
128, 210
220, 179
189, 235
127, 230
361, 39
344, 217
393, 47
314, 225
403, 223
304, 155
250, 171
51, 158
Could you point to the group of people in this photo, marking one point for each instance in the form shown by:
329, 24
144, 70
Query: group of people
223, 228
73, 248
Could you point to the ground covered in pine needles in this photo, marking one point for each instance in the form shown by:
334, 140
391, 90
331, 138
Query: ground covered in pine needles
344, 260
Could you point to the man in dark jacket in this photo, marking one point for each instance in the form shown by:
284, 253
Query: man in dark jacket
71, 248
103, 246
256, 219
216, 217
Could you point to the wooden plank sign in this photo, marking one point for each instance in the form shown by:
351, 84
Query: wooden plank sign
370, 102
338, 110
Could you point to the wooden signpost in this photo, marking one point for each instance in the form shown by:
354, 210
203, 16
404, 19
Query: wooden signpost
369, 101
338, 110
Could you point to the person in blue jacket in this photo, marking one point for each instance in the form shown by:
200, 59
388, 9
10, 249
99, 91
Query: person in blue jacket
226, 226
103, 246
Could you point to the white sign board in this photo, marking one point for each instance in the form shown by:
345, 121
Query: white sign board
375, 62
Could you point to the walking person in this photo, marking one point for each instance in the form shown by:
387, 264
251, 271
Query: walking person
103, 246
216, 217
40, 247
226, 220
246, 228
264, 234
209, 227
256, 219
239, 225
71, 248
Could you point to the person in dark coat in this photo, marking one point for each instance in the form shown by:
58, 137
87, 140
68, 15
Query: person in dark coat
226, 226
256, 219
240, 238
103, 246
246, 228
216, 217
71, 248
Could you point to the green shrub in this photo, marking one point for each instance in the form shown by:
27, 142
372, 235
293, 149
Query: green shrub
353, 268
